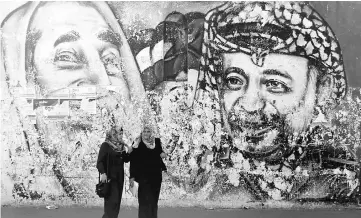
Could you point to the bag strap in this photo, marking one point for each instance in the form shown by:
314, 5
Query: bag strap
108, 163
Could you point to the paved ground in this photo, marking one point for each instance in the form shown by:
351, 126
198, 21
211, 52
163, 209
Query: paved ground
128, 212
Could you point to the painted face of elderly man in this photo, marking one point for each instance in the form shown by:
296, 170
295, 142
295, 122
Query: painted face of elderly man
270, 65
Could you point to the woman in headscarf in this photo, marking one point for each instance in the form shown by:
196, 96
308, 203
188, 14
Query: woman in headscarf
110, 165
146, 167
50, 47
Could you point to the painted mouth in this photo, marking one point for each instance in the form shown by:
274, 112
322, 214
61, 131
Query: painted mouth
255, 136
258, 139
253, 132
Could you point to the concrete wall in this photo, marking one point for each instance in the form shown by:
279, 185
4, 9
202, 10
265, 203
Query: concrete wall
50, 142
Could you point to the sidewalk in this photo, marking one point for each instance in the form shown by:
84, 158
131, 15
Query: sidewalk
131, 212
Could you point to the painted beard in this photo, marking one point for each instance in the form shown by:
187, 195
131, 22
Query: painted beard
257, 133
267, 136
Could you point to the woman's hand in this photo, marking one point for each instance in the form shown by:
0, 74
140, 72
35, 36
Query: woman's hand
163, 155
103, 178
129, 149
136, 142
131, 182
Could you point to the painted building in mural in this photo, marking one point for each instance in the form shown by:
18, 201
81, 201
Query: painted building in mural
252, 100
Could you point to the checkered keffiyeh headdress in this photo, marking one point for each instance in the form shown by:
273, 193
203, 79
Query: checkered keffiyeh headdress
260, 28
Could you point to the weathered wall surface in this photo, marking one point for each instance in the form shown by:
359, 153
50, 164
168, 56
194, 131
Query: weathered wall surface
63, 85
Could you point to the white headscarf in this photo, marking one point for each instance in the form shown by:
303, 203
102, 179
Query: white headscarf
150, 143
14, 32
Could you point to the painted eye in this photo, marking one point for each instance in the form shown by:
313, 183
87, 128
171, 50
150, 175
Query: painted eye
275, 86
66, 56
68, 59
234, 81
112, 64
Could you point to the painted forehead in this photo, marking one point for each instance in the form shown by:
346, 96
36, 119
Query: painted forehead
271, 60
71, 18
66, 13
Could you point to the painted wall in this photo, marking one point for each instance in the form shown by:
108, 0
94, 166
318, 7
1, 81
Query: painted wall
254, 138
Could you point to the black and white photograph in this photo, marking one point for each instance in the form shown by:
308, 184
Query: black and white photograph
167, 109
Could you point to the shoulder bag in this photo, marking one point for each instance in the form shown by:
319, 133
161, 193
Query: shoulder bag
102, 189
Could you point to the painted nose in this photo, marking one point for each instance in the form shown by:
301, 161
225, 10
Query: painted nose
95, 72
252, 100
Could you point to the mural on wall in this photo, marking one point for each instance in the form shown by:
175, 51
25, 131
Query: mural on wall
250, 100
271, 67
67, 85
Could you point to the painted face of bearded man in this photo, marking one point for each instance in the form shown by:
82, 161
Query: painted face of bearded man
270, 65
